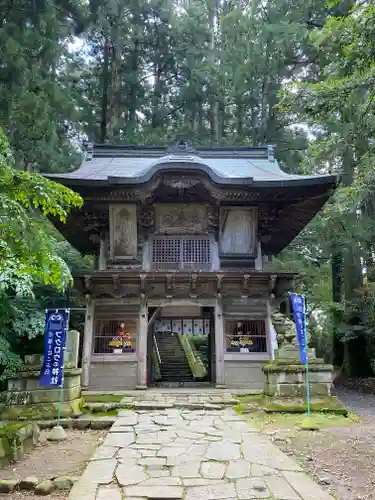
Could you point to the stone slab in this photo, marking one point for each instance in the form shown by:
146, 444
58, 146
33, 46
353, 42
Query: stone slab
213, 455
99, 471
259, 450
119, 439
158, 472
128, 453
106, 493
281, 489
129, 474
213, 470
162, 481
104, 452
200, 481
127, 418
152, 461
223, 451
305, 486
155, 492
187, 469
83, 491
238, 469
170, 451
212, 492
252, 488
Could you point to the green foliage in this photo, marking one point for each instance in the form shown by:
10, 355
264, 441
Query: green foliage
299, 75
27, 253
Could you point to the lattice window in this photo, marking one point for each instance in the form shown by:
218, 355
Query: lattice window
113, 336
181, 253
245, 335
166, 251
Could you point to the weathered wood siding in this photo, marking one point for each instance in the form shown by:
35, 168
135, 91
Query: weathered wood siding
114, 375
254, 308
244, 374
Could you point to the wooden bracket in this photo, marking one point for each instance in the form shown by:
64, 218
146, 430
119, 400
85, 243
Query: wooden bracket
169, 288
193, 286
245, 286
117, 292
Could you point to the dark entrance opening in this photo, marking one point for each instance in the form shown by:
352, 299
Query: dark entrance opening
181, 349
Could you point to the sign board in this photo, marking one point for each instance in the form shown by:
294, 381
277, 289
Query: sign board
55, 330
299, 311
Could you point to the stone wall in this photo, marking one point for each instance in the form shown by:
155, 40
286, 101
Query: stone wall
27, 390
15, 440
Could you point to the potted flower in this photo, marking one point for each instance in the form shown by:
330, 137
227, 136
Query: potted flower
116, 343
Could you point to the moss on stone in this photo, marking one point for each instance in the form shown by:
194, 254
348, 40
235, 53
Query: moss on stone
196, 364
326, 405
10, 428
103, 398
41, 411
251, 398
310, 424
110, 413
295, 368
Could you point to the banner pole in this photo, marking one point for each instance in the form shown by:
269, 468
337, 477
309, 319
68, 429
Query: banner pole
307, 360
59, 408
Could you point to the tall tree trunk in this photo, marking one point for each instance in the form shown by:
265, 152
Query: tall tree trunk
356, 362
336, 269
239, 118
105, 91
212, 8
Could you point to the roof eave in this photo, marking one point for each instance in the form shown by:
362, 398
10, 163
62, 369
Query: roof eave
331, 180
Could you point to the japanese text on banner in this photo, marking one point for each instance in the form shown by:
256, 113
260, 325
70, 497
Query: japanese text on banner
54, 342
298, 308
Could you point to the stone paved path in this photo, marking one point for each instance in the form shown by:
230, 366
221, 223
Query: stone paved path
176, 453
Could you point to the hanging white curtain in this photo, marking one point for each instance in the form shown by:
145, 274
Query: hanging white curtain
237, 231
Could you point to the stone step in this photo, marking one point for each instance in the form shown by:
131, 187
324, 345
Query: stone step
174, 365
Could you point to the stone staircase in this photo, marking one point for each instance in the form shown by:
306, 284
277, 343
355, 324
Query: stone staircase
174, 366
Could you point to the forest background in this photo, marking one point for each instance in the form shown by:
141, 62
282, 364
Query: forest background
296, 74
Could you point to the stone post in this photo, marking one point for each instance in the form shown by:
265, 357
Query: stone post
142, 343
219, 343
72, 349
87, 342
285, 376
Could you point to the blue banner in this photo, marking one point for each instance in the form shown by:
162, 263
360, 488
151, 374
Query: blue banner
55, 330
299, 311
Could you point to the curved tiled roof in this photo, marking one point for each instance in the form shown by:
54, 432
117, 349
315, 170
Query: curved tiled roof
134, 165
287, 202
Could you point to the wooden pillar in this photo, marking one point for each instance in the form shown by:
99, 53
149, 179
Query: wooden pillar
87, 342
270, 333
219, 343
142, 343
102, 264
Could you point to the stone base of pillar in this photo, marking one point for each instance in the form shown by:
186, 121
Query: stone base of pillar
220, 386
141, 387
286, 376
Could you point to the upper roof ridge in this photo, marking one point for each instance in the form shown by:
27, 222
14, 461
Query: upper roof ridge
180, 148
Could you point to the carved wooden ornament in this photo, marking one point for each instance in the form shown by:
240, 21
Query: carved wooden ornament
123, 231
181, 219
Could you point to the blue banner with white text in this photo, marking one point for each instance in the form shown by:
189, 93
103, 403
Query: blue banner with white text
299, 310
55, 330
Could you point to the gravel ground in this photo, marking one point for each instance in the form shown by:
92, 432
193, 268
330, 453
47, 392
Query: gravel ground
361, 403
341, 458
48, 460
